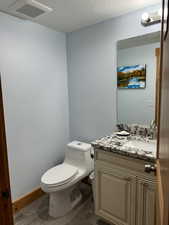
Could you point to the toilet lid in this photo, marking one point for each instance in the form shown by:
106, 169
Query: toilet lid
59, 175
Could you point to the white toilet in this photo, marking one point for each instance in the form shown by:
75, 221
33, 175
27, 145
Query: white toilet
61, 181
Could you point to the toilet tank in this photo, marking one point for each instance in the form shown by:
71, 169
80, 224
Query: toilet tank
79, 154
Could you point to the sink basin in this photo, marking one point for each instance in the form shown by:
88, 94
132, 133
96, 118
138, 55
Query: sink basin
141, 147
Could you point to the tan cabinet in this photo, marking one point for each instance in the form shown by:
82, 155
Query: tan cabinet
115, 195
125, 194
146, 202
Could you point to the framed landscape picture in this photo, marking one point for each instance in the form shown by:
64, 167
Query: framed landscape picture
131, 77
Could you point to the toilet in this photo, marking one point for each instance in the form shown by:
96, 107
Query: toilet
62, 181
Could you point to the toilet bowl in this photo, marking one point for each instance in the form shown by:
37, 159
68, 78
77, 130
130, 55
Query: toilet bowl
62, 181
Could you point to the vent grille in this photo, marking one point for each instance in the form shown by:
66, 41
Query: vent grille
30, 11
28, 8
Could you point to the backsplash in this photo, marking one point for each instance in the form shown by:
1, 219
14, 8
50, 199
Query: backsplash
139, 130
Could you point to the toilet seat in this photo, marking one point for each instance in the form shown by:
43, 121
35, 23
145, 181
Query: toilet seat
59, 175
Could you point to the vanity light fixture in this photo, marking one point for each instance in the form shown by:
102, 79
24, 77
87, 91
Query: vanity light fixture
151, 18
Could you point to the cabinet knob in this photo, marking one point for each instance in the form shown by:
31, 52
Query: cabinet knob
145, 185
127, 179
148, 168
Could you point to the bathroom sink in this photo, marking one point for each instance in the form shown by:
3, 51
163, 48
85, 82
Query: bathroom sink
140, 147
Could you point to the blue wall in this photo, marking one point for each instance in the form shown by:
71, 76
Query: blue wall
92, 73
33, 65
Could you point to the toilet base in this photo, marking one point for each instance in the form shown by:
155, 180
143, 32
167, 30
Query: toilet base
62, 202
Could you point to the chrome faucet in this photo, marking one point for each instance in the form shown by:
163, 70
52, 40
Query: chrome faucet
152, 124
153, 128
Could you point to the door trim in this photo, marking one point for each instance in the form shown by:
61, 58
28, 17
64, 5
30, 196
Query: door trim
160, 201
6, 217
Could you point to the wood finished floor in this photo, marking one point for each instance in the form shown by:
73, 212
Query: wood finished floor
37, 214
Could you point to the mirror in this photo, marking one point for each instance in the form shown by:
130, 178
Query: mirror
137, 80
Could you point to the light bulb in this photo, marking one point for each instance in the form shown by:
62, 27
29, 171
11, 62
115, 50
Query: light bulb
165, 12
145, 17
160, 12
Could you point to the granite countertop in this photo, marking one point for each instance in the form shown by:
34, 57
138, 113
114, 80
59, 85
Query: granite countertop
132, 146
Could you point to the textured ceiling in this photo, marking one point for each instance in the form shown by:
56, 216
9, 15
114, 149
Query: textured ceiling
70, 15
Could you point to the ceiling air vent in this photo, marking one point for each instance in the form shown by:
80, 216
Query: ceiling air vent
29, 9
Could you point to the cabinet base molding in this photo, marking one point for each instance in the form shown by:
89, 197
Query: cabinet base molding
27, 199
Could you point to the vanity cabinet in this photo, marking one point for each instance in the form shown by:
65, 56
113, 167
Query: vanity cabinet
146, 202
115, 195
124, 195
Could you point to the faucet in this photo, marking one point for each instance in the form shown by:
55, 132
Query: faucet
152, 129
152, 124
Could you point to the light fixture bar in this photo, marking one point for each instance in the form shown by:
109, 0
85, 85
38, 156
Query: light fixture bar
148, 19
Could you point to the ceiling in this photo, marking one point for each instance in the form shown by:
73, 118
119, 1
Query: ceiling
70, 15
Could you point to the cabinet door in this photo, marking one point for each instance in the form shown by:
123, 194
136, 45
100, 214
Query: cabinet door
115, 195
146, 203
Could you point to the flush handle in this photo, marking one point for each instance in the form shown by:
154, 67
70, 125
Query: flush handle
148, 168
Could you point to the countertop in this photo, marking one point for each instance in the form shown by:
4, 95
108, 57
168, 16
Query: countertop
132, 146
